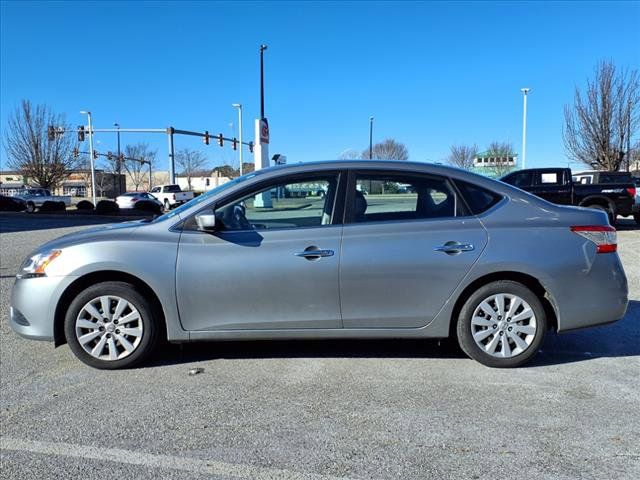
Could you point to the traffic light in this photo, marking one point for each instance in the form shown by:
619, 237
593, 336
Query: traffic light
250, 147
206, 137
220, 140
121, 157
81, 133
51, 133
110, 155
76, 152
234, 144
95, 154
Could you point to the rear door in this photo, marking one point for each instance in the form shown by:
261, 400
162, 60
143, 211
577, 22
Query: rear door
407, 244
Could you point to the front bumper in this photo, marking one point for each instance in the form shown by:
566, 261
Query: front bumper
33, 306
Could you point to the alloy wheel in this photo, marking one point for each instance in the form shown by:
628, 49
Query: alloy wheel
503, 325
109, 327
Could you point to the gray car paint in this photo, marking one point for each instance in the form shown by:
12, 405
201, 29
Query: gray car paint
522, 234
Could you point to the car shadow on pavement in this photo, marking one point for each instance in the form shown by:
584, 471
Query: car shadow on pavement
620, 339
11, 222
269, 349
626, 224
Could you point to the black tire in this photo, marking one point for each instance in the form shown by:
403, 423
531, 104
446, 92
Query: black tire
31, 207
610, 214
128, 292
636, 217
464, 326
167, 205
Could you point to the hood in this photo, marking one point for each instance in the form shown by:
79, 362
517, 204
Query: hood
94, 234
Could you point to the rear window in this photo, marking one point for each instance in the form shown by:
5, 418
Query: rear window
477, 198
614, 178
172, 188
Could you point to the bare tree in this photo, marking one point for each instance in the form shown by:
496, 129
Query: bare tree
138, 171
600, 123
190, 162
350, 154
389, 149
30, 149
462, 156
501, 152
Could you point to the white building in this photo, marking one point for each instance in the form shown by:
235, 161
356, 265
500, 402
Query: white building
488, 159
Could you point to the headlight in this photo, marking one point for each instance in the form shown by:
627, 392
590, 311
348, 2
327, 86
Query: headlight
35, 266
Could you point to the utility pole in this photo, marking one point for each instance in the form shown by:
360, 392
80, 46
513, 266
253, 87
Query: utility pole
172, 167
261, 151
239, 107
370, 138
118, 191
524, 127
93, 170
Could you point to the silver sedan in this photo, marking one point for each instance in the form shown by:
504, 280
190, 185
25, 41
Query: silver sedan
388, 250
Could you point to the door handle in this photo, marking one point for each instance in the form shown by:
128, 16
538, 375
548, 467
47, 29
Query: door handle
453, 248
313, 253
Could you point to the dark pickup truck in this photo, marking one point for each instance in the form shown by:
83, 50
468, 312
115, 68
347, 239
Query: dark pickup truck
556, 185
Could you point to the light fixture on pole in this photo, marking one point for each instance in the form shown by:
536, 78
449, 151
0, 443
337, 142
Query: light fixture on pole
239, 107
370, 138
93, 170
524, 127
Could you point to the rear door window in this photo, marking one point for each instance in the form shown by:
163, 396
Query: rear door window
381, 197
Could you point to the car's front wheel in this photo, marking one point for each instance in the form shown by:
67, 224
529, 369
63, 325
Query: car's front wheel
111, 325
31, 207
502, 324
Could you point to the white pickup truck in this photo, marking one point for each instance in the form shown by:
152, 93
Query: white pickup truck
35, 197
170, 195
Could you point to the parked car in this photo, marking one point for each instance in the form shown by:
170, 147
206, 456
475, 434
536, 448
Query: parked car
558, 186
465, 255
35, 197
12, 204
171, 195
129, 199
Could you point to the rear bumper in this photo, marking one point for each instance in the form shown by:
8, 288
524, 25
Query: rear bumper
596, 295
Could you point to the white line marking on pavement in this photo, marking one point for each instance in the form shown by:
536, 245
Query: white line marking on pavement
195, 465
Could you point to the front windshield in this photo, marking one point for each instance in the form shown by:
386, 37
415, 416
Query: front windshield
205, 196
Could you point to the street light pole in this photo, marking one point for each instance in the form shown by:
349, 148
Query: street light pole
93, 170
370, 138
119, 162
262, 49
239, 107
524, 127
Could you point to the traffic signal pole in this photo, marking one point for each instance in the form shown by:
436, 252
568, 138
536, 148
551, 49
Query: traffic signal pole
170, 132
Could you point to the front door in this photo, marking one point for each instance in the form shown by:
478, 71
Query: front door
408, 245
271, 263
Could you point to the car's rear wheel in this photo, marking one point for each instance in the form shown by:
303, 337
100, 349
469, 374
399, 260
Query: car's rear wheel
502, 324
31, 207
636, 217
110, 325
167, 205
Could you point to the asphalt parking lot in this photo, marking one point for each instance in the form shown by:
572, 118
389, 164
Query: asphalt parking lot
319, 409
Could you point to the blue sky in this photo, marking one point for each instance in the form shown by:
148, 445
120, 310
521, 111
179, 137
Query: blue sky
433, 74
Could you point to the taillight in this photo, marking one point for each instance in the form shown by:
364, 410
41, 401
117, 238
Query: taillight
604, 236
631, 191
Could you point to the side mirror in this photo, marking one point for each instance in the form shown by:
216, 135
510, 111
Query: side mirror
206, 221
